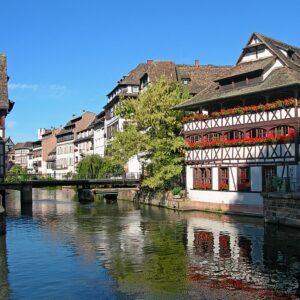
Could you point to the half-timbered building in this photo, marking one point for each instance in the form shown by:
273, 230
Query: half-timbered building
194, 77
65, 147
242, 132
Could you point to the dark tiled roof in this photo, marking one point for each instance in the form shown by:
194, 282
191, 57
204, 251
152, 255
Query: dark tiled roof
37, 143
279, 78
100, 118
133, 77
65, 131
154, 69
83, 139
200, 76
4, 102
248, 67
26, 145
101, 114
274, 46
47, 131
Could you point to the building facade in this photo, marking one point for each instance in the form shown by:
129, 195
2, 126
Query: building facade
21, 153
9, 146
51, 163
65, 148
5, 107
193, 77
48, 141
84, 143
37, 157
99, 134
243, 137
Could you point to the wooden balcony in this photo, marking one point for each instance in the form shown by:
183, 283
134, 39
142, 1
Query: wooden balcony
257, 154
244, 119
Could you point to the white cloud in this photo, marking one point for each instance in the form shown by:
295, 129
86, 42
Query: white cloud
22, 86
35, 87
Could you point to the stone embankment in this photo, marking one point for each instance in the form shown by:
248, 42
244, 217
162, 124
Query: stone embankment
282, 208
167, 200
2, 220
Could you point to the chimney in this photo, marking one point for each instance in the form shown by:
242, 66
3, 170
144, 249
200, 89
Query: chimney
149, 61
196, 62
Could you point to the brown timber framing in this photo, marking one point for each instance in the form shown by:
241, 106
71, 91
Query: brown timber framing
264, 125
259, 158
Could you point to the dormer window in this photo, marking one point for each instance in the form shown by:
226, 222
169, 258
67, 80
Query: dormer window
290, 53
185, 80
144, 81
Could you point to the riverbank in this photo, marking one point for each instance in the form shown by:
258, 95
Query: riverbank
2, 220
167, 200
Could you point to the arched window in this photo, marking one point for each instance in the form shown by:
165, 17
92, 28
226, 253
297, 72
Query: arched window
213, 136
256, 132
234, 134
282, 130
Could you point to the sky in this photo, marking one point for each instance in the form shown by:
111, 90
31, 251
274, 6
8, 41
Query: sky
65, 56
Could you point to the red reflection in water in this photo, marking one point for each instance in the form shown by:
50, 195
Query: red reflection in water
203, 242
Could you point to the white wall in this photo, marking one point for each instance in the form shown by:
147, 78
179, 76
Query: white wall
220, 197
189, 178
215, 178
99, 141
252, 55
232, 178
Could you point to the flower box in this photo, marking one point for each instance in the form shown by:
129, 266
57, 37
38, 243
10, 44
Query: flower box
240, 110
202, 186
223, 187
248, 141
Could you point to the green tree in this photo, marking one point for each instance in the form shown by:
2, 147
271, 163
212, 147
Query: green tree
94, 166
17, 174
153, 132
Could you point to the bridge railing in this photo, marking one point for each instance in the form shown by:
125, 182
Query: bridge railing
53, 177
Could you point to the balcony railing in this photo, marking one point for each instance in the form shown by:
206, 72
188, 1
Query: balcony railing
248, 118
243, 154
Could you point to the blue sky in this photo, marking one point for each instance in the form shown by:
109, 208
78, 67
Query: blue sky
64, 56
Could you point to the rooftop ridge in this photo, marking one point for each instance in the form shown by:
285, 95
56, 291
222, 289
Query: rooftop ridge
275, 40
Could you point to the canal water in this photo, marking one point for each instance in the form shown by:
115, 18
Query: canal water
64, 250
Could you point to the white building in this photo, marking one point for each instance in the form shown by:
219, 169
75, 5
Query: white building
29, 162
99, 134
65, 149
21, 153
245, 138
51, 163
37, 157
84, 143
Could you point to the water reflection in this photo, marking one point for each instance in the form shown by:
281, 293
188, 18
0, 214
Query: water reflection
147, 252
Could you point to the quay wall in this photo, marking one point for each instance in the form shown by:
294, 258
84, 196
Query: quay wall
167, 200
282, 208
2, 220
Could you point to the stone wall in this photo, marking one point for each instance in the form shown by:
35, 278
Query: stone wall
159, 198
282, 208
2, 220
